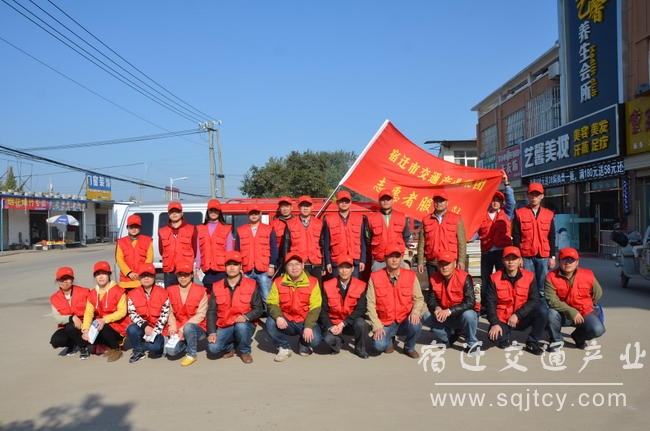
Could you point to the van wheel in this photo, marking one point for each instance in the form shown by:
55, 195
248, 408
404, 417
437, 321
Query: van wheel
625, 281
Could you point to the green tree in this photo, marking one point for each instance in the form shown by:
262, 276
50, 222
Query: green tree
307, 173
10, 182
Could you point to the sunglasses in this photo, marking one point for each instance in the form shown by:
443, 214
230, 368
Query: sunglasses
568, 260
183, 274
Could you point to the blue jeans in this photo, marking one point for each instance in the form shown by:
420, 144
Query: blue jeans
536, 319
135, 334
411, 331
193, 333
263, 281
539, 266
279, 336
591, 328
466, 322
239, 333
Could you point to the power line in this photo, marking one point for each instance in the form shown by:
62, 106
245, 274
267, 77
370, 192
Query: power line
96, 61
131, 64
23, 154
116, 141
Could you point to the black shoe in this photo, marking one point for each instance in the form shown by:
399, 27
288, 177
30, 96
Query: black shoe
69, 351
304, 350
336, 348
361, 353
135, 357
503, 344
534, 348
453, 338
580, 344
155, 355
84, 353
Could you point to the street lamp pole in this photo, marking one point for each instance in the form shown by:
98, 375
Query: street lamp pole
171, 186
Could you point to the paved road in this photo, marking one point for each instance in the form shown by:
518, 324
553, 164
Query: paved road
42, 391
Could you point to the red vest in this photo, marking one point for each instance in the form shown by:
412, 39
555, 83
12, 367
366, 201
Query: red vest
136, 255
76, 306
454, 292
108, 305
149, 308
495, 233
338, 307
534, 231
279, 226
306, 241
294, 304
345, 238
183, 312
176, 249
393, 303
511, 298
255, 250
383, 235
231, 305
578, 294
440, 236
213, 247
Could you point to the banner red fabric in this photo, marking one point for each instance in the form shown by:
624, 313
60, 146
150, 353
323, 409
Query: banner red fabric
391, 161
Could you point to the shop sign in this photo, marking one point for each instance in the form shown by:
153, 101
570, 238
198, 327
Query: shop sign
589, 139
579, 174
637, 125
98, 187
509, 160
25, 203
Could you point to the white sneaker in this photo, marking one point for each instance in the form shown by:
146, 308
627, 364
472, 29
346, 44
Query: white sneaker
283, 355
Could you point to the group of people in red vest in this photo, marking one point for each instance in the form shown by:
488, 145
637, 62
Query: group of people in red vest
310, 278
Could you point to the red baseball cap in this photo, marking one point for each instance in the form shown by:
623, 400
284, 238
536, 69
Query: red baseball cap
293, 256
346, 258
447, 256
174, 206
102, 266
569, 252
440, 194
214, 204
134, 220
535, 187
147, 268
385, 192
185, 267
233, 256
394, 248
303, 199
64, 271
254, 208
284, 199
511, 250
499, 195
343, 194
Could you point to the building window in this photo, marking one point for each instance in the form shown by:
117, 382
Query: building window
515, 128
465, 158
489, 144
543, 112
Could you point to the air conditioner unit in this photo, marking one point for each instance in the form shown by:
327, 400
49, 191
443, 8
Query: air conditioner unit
554, 70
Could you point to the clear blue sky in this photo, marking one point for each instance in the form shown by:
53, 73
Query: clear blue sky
280, 75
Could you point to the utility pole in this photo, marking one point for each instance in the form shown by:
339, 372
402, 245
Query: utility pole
211, 128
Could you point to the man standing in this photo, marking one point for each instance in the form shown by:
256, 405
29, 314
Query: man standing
258, 247
572, 294
533, 232
68, 307
387, 228
395, 304
494, 233
512, 303
131, 251
344, 309
279, 225
441, 231
294, 305
344, 235
148, 307
233, 307
452, 302
304, 236
176, 242
189, 304
214, 239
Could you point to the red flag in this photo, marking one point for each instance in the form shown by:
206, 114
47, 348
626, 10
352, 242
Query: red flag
390, 161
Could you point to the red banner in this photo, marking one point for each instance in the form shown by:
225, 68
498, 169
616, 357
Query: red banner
391, 161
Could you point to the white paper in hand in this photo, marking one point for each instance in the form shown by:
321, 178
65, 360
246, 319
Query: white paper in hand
172, 341
92, 333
